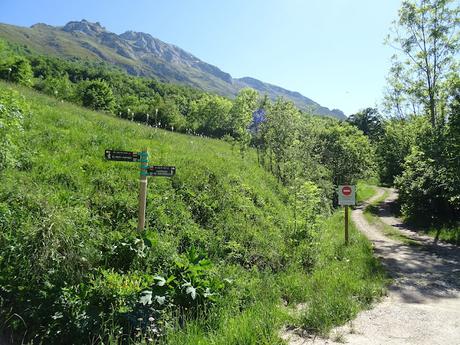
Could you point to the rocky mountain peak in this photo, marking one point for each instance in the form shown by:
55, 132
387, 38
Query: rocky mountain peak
91, 29
134, 35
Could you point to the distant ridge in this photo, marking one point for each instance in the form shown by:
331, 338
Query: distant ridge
144, 55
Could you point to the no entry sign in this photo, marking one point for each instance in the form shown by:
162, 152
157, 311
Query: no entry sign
347, 195
346, 190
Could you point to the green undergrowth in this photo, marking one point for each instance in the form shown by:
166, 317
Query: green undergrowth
449, 234
346, 279
218, 257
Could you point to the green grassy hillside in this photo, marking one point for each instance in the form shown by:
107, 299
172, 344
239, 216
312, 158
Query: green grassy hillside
220, 251
42, 37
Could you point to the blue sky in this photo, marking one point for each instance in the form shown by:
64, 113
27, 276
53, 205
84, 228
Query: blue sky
329, 50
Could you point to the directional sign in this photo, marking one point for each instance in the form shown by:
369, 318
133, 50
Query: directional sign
347, 195
123, 156
157, 170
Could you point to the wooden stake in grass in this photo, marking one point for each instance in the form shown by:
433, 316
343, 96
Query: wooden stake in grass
346, 224
142, 189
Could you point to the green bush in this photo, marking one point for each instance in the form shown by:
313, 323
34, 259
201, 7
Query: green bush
17, 69
59, 87
97, 95
423, 190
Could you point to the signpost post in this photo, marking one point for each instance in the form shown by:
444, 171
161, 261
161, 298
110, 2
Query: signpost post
347, 196
145, 171
142, 189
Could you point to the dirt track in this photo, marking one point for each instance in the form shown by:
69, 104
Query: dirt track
423, 302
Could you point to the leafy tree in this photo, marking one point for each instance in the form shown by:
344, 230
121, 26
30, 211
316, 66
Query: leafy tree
127, 106
97, 95
369, 121
400, 135
346, 153
307, 206
452, 158
241, 116
279, 132
423, 189
210, 115
426, 35
169, 116
429, 178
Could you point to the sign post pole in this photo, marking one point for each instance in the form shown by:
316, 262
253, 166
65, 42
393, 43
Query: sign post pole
142, 189
346, 225
347, 196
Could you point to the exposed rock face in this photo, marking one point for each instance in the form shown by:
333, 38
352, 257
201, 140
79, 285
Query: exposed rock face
92, 29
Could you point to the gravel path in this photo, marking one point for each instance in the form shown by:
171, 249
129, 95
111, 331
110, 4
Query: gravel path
423, 302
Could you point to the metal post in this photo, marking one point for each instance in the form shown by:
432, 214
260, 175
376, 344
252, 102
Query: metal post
346, 224
142, 189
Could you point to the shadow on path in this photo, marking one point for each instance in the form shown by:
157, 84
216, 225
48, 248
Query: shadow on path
421, 272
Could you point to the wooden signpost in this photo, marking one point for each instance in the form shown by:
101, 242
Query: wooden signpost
347, 197
142, 190
145, 171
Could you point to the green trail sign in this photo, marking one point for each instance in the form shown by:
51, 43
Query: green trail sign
158, 170
145, 171
122, 156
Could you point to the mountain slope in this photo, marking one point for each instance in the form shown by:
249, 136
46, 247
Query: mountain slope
141, 54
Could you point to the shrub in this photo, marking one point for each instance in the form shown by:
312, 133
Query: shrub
97, 95
59, 87
422, 189
17, 69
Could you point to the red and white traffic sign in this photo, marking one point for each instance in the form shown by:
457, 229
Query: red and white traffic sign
346, 190
347, 195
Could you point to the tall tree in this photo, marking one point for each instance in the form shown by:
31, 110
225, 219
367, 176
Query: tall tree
279, 133
369, 121
426, 34
241, 116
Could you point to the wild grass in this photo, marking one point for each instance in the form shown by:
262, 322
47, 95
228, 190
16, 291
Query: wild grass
346, 279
